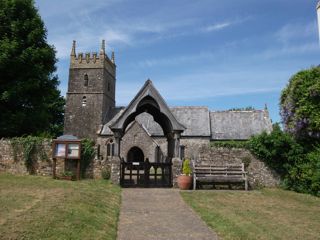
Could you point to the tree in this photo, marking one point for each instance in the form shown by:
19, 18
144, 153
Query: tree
30, 102
249, 108
300, 104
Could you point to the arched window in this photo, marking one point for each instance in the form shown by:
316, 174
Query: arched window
86, 80
84, 101
182, 150
110, 148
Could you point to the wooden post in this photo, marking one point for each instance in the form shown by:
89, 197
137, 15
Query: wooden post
78, 169
54, 167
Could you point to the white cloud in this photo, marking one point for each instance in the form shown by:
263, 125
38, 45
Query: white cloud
290, 32
114, 36
289, 50
222, 25
89, 32
217, 26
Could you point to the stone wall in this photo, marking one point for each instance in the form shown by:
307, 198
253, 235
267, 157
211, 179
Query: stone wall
258, 173
193, 146
196, 149
9, 164
102, 161
42, 164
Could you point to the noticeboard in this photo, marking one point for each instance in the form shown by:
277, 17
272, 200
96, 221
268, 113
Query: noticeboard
67, 149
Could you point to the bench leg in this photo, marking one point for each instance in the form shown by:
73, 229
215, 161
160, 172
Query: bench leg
246, 185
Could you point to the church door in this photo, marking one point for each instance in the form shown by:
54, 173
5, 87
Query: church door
135, 154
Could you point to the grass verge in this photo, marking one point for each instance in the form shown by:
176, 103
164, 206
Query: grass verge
264, 214
33, 207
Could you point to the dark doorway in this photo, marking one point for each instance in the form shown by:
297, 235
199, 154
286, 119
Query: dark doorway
135, 154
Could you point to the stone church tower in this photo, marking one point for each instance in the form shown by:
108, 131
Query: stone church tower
91, 92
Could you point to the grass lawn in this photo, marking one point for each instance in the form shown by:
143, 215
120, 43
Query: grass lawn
33, 207
264, 214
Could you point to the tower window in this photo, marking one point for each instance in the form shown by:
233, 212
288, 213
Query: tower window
86, 80
84, 101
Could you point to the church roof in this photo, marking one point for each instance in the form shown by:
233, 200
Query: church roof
195, 119
200, 122
238, 125
116, 114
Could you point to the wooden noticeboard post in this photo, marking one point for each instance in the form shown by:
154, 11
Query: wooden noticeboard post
68, 148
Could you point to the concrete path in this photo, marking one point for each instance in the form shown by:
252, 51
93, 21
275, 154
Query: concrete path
159, 214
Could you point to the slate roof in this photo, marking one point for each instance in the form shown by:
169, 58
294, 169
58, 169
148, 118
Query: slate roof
152, 127
116, 113
200, 122
238, 125
195, 119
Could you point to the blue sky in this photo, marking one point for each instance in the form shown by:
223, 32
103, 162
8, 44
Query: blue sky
220, 54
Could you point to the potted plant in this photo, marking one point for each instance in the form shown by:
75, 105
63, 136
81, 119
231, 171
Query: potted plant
67, 175
185, 179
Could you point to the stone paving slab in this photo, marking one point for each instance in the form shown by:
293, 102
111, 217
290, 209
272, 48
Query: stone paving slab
159, 214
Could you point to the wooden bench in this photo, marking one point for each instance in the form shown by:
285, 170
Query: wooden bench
232, 173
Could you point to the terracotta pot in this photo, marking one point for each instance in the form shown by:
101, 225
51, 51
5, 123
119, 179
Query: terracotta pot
184, 182
66, 178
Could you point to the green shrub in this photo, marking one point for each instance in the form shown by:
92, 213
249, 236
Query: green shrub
87, 154
278, 150
106, 173
298, 164
304, 176
68, 174
229, 144
186, 169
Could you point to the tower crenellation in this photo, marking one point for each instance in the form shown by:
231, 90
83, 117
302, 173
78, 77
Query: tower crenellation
92, 60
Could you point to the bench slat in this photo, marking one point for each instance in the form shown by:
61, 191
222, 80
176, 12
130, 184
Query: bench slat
230, 173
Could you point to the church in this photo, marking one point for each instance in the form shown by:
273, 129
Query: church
147, 129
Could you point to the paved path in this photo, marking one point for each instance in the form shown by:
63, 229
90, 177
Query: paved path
159, 214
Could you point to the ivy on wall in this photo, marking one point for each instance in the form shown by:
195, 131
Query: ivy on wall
87, 154
31, 148
229, 144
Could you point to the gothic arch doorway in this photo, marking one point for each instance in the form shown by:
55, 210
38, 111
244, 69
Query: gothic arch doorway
135, 154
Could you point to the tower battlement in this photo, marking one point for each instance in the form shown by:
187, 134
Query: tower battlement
92, 60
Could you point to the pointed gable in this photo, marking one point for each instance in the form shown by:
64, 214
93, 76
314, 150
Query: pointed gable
148, 100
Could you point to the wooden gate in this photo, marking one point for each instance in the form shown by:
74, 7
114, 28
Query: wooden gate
145, 174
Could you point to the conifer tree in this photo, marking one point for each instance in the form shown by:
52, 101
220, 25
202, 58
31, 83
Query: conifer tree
30, 102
